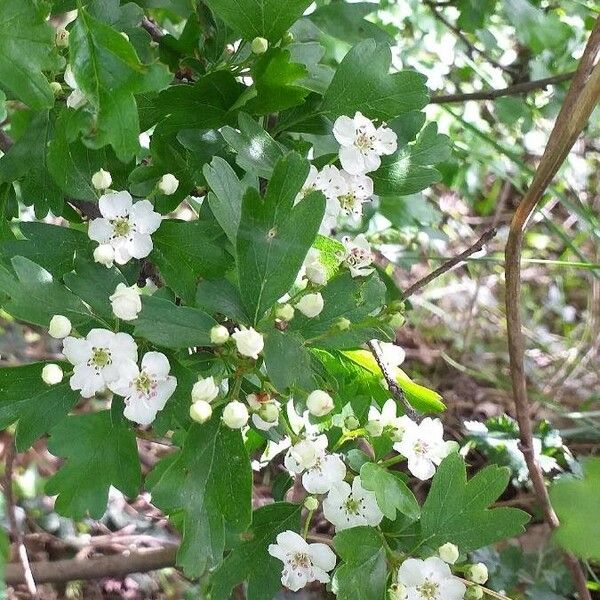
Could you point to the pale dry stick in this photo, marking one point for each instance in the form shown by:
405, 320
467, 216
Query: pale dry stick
24, 564
450, 264
581, 99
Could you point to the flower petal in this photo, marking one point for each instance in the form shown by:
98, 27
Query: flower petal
115, 204
100, 230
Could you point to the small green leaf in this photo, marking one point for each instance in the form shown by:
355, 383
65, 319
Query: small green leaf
250, 560
362, 574
101, 451
271, 245
259, 18
166, 324
457, 510
362, 83
186, 251
208, 484
576, 504
391, 492
37, 407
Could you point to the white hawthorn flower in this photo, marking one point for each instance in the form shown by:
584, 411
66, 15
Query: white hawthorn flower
449, 553
314, 269
362, 144
392, 355
248, 341
430, 579
146, 389
235, 415
358, 189
126, 302
310, 305
168, 184
101, 179
60, 327
388, 420
347, 506
319, 403
52, 374
320, 471
99, 359
205, 389
125, 226
219, 334
424, 446
357, 256
200, 411
302, 562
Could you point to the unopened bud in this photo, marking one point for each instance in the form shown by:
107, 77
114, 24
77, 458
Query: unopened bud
52, 374
396, 591
448, 553
351, 423
374, 428
105, 255
56, 88
219, 334
285, 312
397, 320
60, 327
200, 411
61, 38
474, 592
343, 324
259, 45
101, 179
319, 403
477, 573
168, 184
235, 415
311, 503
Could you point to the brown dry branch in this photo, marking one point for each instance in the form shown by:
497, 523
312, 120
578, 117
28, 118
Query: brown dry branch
23, 565
581, 99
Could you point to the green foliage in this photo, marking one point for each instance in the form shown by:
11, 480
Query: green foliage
103, 453
576, 504
37, 407
457, 510
249, 561
206, 485
362, 573
390, 490
270, 244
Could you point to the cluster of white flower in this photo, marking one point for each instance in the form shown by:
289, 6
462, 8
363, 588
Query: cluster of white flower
107, 360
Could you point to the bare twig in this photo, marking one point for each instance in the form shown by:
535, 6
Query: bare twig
118, 565
450, 264
471, 48
393, 386
24, 565
511, 90
581, 99
152, 28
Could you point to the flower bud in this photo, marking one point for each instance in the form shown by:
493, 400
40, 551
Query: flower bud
269, 412
477, 573
205, 389
200, 411
285, 312
351, 423
235, 415
396, 591
56, 88
397, 320
168, 184
374, 428
101, 179
474, 592
316, 272
52, 374
310, 305
259, 45
288, 38
219, 334
311, 503
448, 553
105, 255
60, 327
126, 302
319, 403
343, 324
61, 38
248, 342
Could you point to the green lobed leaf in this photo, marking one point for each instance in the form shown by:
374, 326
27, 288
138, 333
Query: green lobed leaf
391, 492
208, 483
250, 560
457, 510
186, 251
271, 245
172, 326
362, 83
26, 50
101, 451
576, 504
37, 407
109, 72
259, 18
221, 297
362, 572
